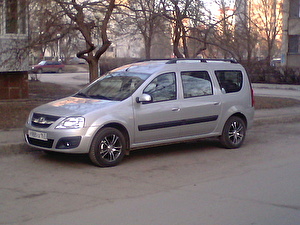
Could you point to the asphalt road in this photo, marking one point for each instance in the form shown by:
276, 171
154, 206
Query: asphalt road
192, 183
195, 183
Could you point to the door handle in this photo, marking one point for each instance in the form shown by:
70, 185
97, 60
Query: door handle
216, 103
175, 109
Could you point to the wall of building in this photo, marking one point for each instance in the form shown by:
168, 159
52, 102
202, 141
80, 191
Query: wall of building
14, 54
291, 34
13, 85
13, 49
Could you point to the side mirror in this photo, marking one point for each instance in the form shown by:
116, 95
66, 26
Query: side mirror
145, 98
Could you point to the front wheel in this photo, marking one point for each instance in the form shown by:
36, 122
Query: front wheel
234, 132
108, 147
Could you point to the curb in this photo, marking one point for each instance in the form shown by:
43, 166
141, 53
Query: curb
14, 149
292, 87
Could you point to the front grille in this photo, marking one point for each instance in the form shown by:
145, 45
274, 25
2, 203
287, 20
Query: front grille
40, 143
43, 121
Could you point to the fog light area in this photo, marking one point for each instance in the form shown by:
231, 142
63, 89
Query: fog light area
68, 142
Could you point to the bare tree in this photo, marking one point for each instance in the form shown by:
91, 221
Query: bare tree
86, 16
141, 17
147, 19
266, 16
193, 27
228, 35
176, 11
46, 27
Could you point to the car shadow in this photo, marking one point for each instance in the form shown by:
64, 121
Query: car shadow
178, 149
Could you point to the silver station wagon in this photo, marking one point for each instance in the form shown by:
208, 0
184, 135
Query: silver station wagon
146, 104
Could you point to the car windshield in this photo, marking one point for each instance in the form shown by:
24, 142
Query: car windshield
115, 86
42, 63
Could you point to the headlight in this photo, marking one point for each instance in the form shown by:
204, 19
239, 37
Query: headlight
71, 123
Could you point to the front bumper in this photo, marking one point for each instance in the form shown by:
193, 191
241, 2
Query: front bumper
60, 140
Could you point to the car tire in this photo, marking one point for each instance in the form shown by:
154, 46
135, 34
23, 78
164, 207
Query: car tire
39, 71
234, 133
59, 70
108, 147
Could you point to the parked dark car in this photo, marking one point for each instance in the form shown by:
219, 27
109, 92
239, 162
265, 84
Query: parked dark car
48, 66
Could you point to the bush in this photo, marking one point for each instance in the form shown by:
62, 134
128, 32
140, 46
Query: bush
262, 72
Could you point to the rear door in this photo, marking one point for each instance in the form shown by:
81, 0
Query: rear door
200, 105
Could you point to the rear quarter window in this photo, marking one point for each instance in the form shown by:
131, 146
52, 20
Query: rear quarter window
230, 80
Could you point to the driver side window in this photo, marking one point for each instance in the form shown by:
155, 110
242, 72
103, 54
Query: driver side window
162, 88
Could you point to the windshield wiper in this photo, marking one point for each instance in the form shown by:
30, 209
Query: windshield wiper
80, 94
100, 97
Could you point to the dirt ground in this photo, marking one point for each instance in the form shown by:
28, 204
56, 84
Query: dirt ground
14, 112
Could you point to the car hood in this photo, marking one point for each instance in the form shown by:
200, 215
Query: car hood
73, 106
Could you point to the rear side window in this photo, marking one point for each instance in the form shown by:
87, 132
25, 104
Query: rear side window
196, 83
230, 80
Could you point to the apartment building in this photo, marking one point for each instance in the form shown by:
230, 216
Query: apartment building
13, 49
291, 34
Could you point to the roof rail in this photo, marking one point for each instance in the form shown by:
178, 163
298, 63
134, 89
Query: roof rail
172, 61
146, 60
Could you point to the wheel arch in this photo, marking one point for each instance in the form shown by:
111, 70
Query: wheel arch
240, 115
234, 131
123, 130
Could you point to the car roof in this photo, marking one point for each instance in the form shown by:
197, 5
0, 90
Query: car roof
143, 67
152, 66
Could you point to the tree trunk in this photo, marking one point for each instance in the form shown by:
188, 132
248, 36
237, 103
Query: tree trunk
93, 70
147, 47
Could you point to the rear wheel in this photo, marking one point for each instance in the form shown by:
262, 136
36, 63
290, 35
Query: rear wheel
108, 147
234, 132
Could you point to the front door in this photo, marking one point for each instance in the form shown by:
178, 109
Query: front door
156, 121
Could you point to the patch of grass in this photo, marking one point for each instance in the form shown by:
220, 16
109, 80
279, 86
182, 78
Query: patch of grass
14, 113
274, 102
46, 91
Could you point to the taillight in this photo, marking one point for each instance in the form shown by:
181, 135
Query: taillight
252, 97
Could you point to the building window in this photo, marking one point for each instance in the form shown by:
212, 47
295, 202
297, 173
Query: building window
22, 16
15, 12
11, 16
1, 15
295, 8
294, 42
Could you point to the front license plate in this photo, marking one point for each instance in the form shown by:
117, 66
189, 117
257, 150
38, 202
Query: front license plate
37, 135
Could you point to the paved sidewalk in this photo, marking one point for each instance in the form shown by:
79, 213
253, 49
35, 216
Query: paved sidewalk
276, 86
277, 90
12, 142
